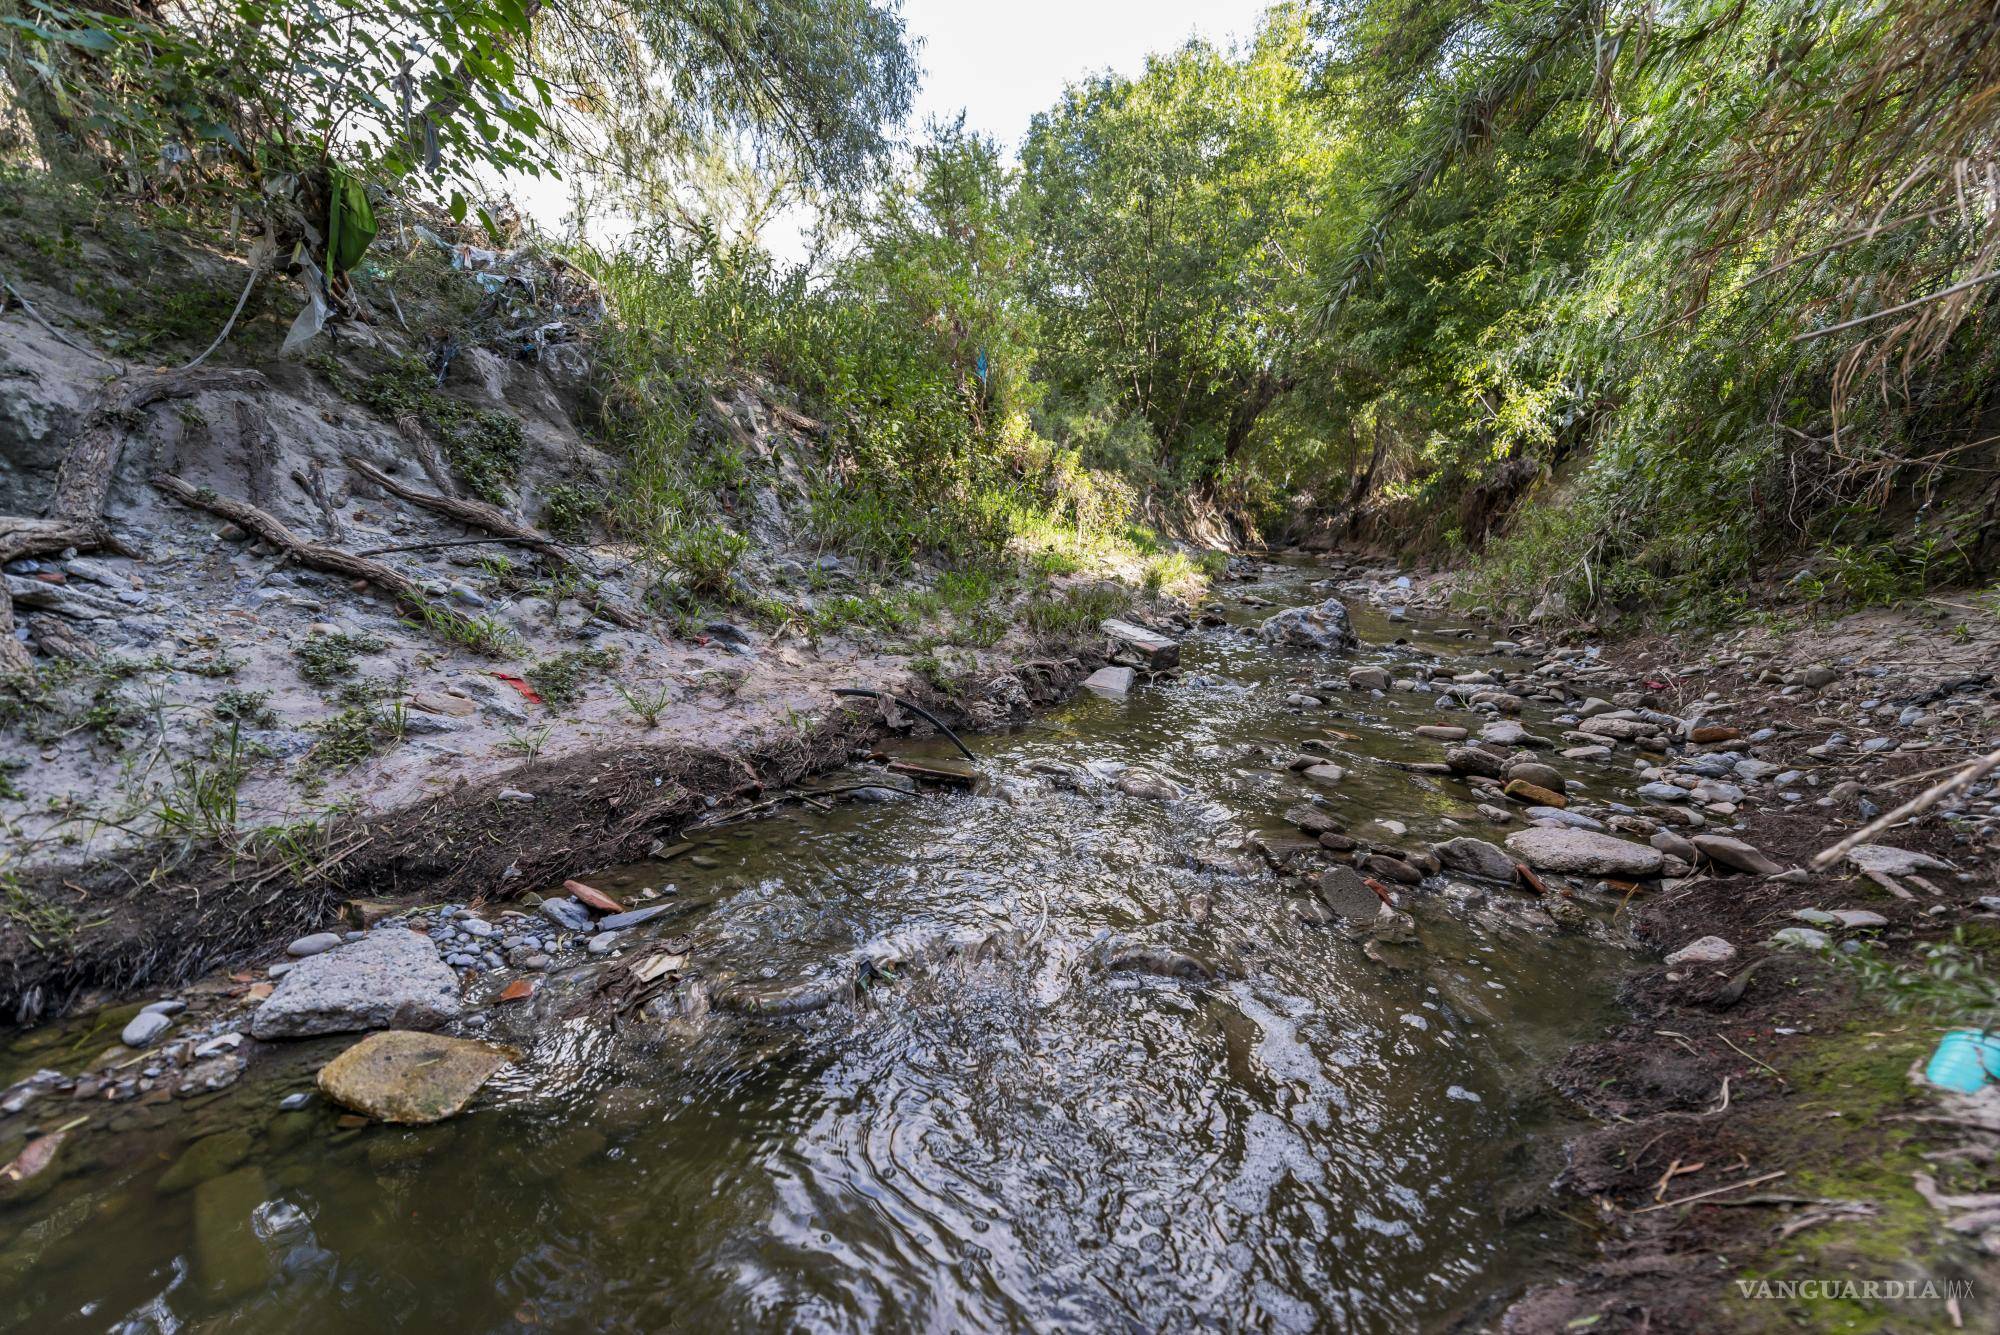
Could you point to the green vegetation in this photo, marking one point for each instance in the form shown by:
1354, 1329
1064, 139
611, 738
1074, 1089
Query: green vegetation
1587, 295
559, 680
324, 659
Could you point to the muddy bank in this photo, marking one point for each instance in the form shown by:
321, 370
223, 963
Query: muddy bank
161, 913
1763, 1075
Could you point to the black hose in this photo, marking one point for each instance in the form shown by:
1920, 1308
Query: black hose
936, 722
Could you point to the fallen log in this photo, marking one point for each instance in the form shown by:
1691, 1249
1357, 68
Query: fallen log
75, 515
478, 514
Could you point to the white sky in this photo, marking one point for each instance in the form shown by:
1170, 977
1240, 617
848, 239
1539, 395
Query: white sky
1000, 64
1004, 63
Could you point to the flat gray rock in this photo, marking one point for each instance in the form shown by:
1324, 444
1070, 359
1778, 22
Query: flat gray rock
1584, 851
391, 978
1110, 680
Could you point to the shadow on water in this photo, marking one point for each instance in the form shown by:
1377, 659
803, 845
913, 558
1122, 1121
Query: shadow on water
990, 1130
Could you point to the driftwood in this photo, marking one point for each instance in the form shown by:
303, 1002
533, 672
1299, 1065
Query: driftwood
83, 480
1974, 771
478, 514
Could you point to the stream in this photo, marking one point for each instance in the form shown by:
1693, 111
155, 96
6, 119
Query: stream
993, 1129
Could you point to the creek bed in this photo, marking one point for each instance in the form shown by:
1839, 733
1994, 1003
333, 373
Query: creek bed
917, 1097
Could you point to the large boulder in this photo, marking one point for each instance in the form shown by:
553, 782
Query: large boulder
1325, 627
411, 1078
1584, 851
390, 978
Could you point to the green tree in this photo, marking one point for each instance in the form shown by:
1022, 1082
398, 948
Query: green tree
1177, 219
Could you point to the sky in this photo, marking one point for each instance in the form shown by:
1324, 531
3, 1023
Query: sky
1003, 63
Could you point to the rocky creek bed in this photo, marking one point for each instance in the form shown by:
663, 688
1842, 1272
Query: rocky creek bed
1266, 988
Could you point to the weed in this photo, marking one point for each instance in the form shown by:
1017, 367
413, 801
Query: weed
202, 801
484, 447
349, 737
647, 704
570, 511
240, 706
1075, 610
324, 659
482, 634
527, 745
559, 680
1952, 979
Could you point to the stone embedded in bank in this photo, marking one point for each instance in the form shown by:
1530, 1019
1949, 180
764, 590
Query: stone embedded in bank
1158, 652
390, 977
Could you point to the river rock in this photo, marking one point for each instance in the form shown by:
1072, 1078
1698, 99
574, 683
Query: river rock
1534, 795
1542, 776
1673, 845
1734, 854
1368, 679
1323, 773
1325, 627
1441, 732
1475, 857
1473, 760
1312, 820
1161, 962
144, 1027
1859, 918
1342, 890
316, 944
1157, 650
1110, 681
1893, 861
1704, 950
1801, 938
631, 918
569, 913
390, 977
1140, 782
1584, 851
411, 1078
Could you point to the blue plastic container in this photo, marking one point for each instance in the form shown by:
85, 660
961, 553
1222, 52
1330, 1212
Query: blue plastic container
1965, 1060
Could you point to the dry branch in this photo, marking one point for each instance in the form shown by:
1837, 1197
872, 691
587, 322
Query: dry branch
1916, 806
478, 514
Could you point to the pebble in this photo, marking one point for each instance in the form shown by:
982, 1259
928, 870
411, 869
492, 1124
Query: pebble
1804, 938
144, 1027
317, 943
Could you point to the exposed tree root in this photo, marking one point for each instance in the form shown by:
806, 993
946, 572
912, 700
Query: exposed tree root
478, 514
76, 511
272, 530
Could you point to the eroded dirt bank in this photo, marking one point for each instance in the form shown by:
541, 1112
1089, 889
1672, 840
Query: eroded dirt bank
1770, 1070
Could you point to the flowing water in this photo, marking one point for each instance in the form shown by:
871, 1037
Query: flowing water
994, 1131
